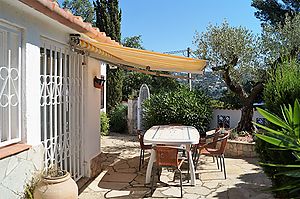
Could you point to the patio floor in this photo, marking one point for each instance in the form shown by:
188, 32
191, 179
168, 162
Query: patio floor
120, 177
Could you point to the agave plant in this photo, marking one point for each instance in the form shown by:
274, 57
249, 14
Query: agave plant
285, 137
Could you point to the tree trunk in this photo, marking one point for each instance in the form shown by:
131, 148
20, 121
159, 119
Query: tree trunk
245, 124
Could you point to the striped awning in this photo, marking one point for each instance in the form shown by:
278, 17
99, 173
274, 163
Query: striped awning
143, 59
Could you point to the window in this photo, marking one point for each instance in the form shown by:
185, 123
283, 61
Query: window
10, 84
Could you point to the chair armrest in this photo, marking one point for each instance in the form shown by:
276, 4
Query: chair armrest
213, 142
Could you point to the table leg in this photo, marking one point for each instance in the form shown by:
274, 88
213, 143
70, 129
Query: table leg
149, 167
192, 169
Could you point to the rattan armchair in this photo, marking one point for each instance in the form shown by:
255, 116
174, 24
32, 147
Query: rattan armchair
202, 142
217, 152
167, 156
143, 147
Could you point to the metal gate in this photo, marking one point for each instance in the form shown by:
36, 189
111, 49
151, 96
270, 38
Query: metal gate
61, 74
143, 95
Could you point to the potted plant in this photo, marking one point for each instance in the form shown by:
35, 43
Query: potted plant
56, 183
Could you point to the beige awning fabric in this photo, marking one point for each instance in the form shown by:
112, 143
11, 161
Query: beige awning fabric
143, 59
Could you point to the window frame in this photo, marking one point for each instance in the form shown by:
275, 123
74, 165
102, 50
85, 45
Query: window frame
8, 28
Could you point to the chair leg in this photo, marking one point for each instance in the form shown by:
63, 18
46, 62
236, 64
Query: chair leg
141, 154
213, 158
220, 157
224, 165
180, 175
152, 181
217, 162
196, 161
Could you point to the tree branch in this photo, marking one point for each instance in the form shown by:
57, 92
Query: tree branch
258, 88
233, 86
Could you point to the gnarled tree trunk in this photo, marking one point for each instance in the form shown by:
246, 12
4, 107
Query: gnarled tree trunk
245, 123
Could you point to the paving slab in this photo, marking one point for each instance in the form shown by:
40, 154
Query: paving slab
120, 177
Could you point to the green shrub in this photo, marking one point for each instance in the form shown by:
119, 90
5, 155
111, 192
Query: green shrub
134, 80
282, 88
118, 119
228, 101
104, 120
181, 107
285, 135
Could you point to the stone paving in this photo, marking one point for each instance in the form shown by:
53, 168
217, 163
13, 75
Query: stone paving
120, 177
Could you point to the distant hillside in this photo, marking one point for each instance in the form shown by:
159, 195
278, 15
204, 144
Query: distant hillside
211, 82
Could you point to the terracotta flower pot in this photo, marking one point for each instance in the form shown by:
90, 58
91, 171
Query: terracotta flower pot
63, 187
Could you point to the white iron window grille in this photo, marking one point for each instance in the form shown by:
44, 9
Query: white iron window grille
61, 108
10, 84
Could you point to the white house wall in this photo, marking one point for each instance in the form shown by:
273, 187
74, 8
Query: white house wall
92, 112
34, 26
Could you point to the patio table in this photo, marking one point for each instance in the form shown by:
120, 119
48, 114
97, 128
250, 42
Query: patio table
171, 135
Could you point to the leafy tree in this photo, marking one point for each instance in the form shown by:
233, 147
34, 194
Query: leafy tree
82, 8
108, 20
275, 11
281, 41
133, 42
233, 51
134, 80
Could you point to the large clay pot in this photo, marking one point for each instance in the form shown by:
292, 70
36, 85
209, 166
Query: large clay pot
63, 187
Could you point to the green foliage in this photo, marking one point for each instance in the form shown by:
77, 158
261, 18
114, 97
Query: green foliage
281, 41
286, 137
118, 119
134, 80
275, 11
221, 44
30, 186
108, 18
180, 106
235, 53
115, 78
163, 84
133, 42
82, 8
104, 120
229, 100
283, 86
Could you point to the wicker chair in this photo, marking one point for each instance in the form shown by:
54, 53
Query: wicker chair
202, 142
215, 152
167, 156
143, 148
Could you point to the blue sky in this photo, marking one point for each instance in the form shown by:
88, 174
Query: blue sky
168, 25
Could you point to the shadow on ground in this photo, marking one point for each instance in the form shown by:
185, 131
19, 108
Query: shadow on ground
120, 177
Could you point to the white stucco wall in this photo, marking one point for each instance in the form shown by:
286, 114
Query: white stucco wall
235, 116
91, 134
34, 26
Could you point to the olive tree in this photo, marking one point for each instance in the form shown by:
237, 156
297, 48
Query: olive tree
234, 52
